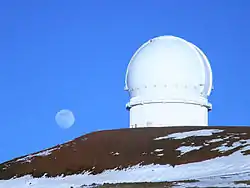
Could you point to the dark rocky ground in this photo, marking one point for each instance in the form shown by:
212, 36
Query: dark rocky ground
143, 185
177, 184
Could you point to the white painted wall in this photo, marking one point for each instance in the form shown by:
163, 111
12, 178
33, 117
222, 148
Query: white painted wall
168, 114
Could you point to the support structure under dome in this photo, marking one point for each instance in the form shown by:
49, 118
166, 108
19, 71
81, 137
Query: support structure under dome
169, 80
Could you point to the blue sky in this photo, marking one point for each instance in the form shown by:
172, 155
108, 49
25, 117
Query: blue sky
74, 54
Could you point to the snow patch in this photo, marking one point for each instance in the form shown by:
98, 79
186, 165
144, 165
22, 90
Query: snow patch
28, 158
158, 150
160, 154
216, 140
182, 135
223, 148
186, 149
115, 153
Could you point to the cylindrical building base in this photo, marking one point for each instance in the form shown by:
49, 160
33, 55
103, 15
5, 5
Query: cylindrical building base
168, 114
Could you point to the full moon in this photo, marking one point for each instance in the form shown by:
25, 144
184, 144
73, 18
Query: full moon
65, 118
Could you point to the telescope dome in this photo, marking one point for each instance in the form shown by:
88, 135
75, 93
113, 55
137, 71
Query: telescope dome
172, 63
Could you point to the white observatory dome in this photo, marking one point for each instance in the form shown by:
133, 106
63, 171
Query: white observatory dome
168, 80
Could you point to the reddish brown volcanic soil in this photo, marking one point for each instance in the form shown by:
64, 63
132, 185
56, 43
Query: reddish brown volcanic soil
122, 148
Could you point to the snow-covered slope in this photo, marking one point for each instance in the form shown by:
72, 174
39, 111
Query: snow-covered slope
209, 156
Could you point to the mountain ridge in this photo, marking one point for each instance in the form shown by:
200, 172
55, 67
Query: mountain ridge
105, 154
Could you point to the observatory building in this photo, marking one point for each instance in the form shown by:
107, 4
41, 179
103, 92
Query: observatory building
169, 81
